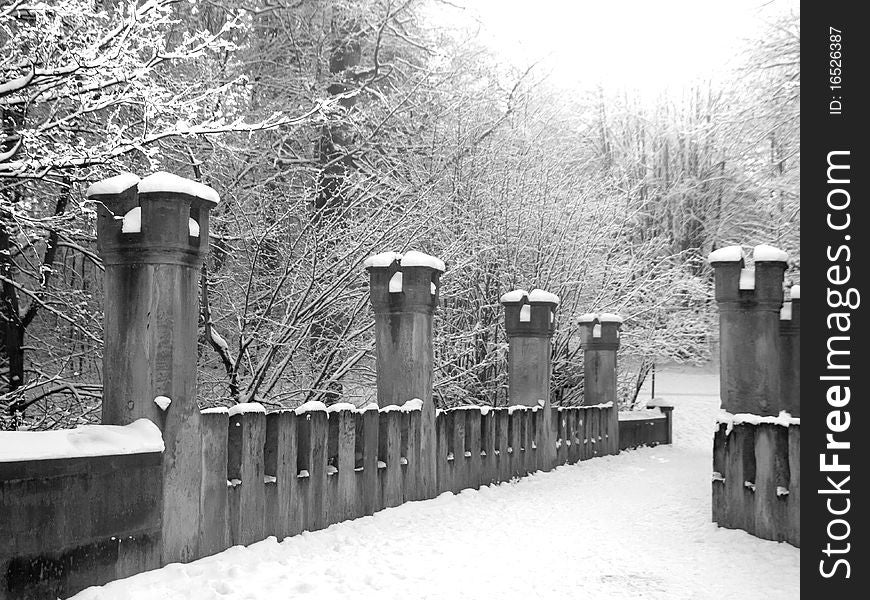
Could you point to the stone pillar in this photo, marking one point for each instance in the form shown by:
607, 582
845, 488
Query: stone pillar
152, 259
529, 321
790, 353
749, 303
599, 338
404, 294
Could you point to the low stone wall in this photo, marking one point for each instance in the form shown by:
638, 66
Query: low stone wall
74, 522
645, 428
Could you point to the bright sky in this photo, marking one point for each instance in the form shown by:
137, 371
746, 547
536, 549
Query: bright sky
647, 45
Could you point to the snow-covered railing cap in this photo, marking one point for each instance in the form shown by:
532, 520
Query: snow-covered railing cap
311, 406
514, 296
539, 295
162, 181
765, 253
138, 437
727, 254
113, 185
247, 407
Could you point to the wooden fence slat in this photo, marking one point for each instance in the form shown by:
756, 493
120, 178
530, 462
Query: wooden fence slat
583, 432
719, 497
247, 433
488, 443
442, 445
413, 454
389, 452
459, 462
516, 442
780, 482
765, 482
213, 528
316, 504
270, 468
533, 430
502, 420
574, 420
290, 506
594, 429
740, 469
343, 502
473, 462
529, 463
371, 422
562, 454
794, 486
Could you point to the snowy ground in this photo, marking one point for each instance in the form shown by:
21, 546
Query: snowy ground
632, 526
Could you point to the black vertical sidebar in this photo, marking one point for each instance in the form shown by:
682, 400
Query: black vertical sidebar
834, 265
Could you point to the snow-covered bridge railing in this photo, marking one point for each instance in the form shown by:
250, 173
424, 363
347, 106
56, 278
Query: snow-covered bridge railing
234, 476
756, 447
290, 471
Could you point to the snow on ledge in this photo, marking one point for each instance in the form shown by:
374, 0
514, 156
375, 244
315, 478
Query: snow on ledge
215, 410
384, 259
725, 418
659, 403
795, 292
727, 254
603, 317
396, 282
602, 405
138, 437
539, 295
418, 259
247, 407
113, 185
412, 404
340, 406
192, 227
765, 253
162, 181
310, 406
132, 221
639, 415
163, 402
785, 311
513, 296
747, 279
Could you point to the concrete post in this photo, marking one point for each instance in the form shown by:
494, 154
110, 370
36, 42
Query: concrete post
529, 321
404, 294
790, 353
152, 261
749, 304
599, 338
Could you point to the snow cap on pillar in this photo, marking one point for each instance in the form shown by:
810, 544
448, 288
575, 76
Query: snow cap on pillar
600, 331
407, 282
162, 212
529, 314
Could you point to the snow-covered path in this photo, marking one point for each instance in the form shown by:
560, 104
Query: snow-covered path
631, 526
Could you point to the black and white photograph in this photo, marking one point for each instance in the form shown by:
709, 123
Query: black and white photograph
423, 299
